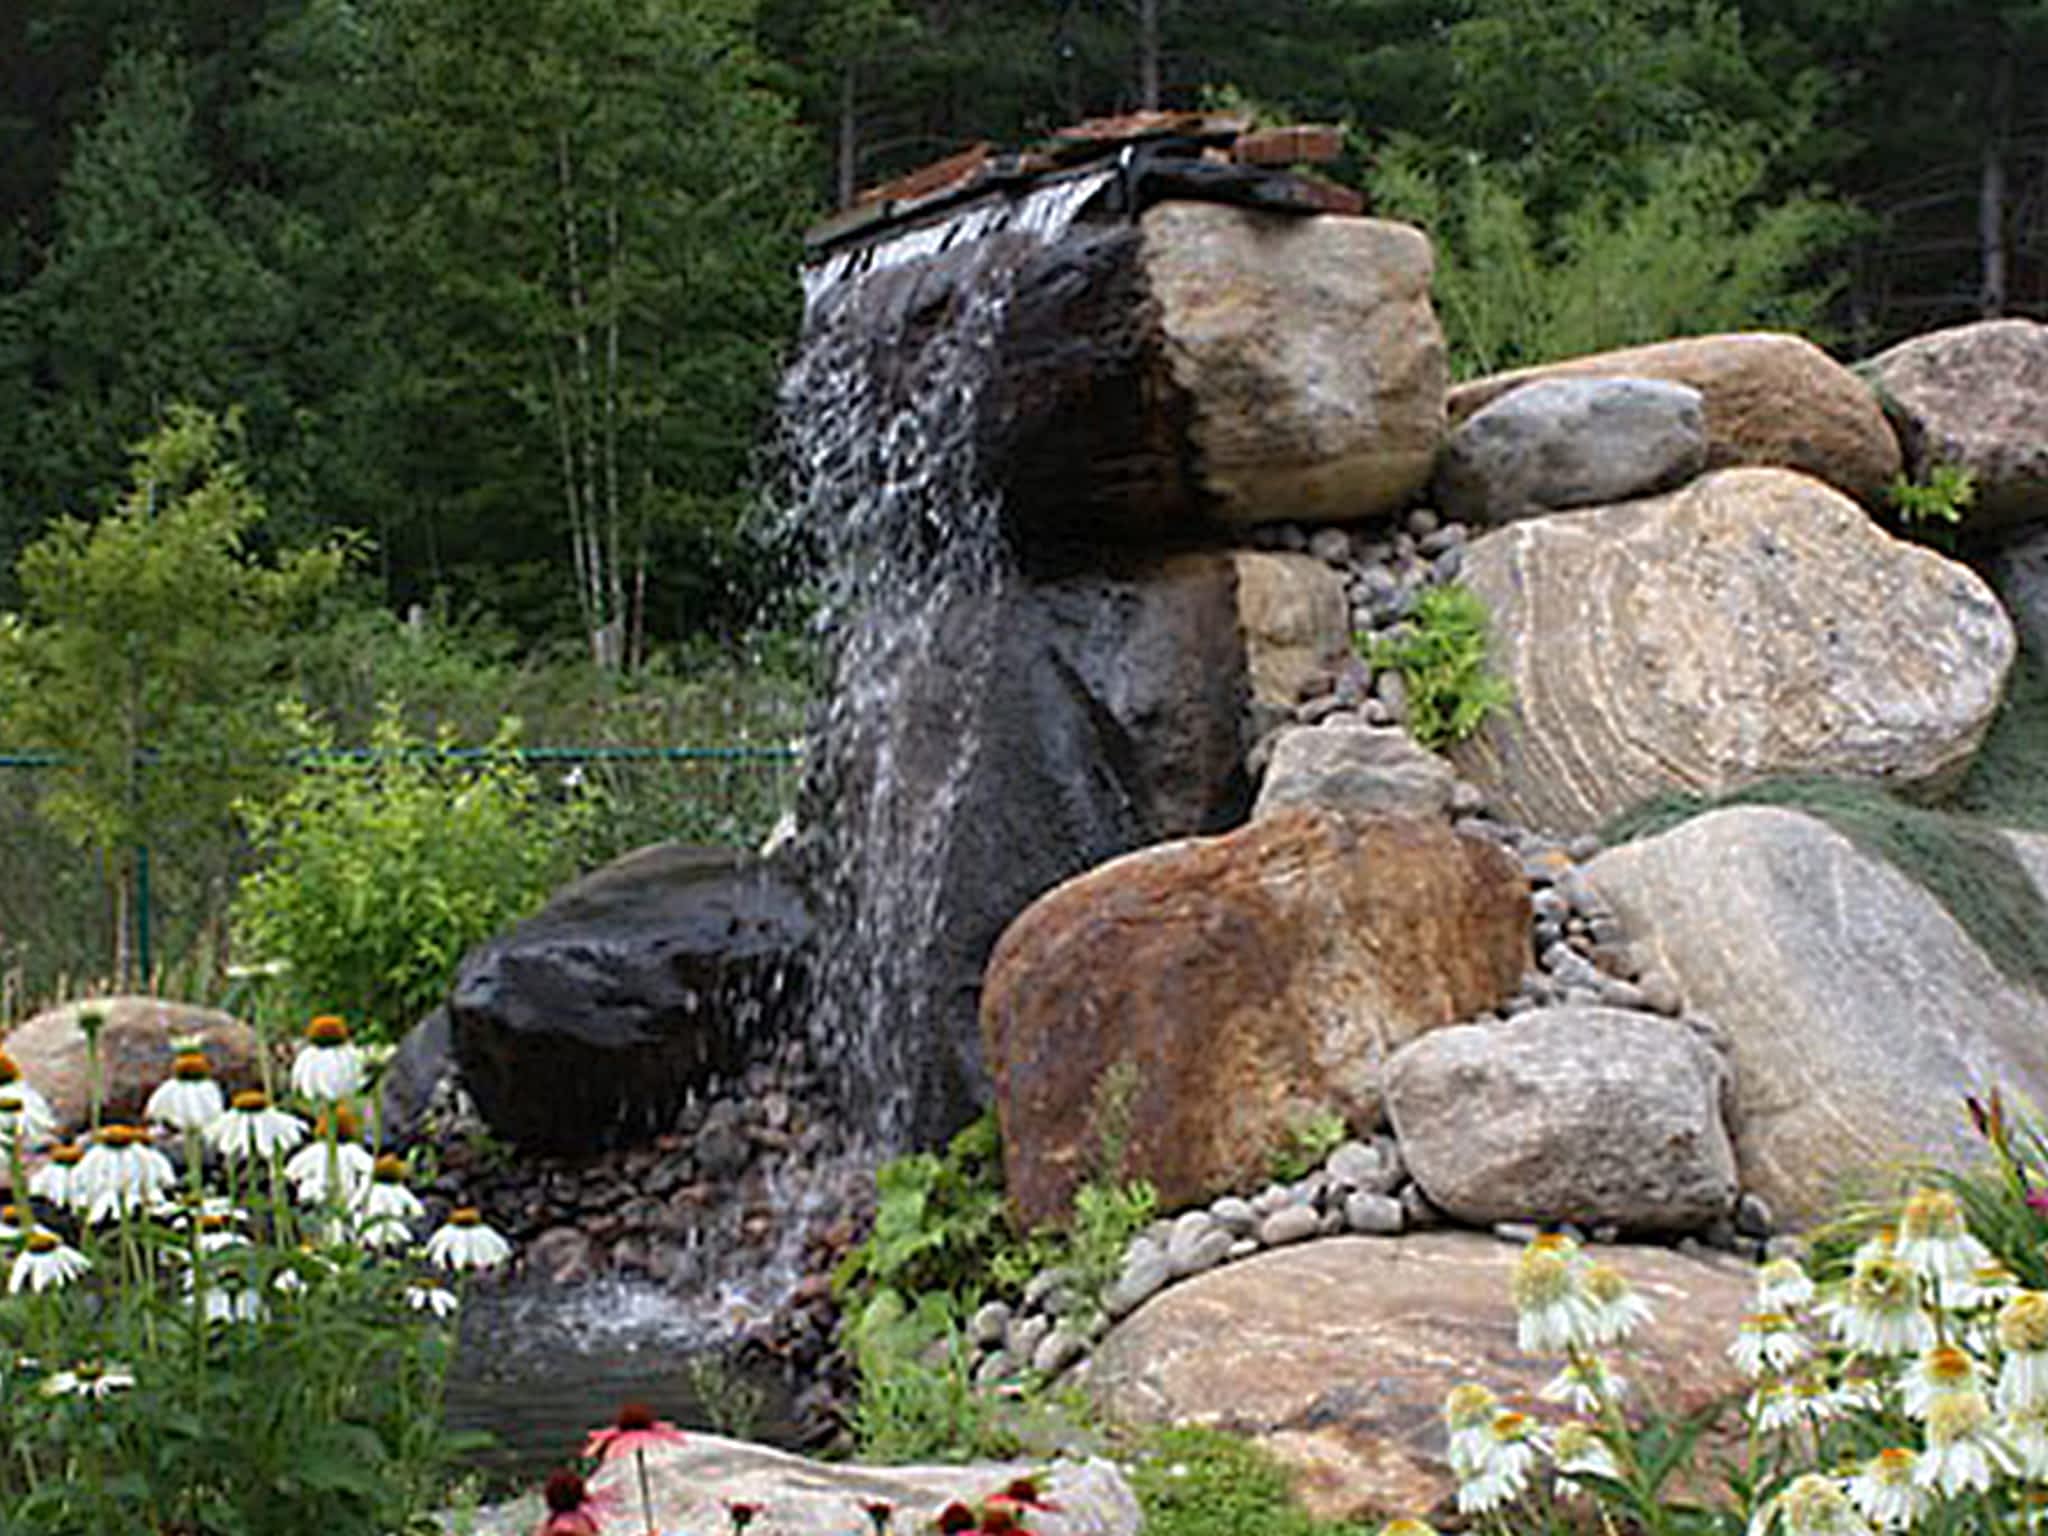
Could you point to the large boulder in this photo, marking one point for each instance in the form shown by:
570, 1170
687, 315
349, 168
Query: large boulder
694, 1484
1337, 1355
1311, 363
1770, 399
1859, 1011
1559, 443
587, 1024
1591, 1115
1755, 623
1360, 770
1243, 983
1296, 627
1975, 397
135, 1053
1030, 734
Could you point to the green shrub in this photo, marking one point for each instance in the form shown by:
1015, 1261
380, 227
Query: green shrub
1202, 1482
1308, 1141
380, 870
1441, 655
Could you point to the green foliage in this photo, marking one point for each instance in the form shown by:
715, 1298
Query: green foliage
380, 870
1964, 863
918, 1401
1203, 1482
1933, 508
939, 1221
1691, 245
1308, 1141
152, 650
1441, 655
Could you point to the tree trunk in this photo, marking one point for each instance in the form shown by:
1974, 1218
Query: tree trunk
849, 131
1148, 55
1991, 215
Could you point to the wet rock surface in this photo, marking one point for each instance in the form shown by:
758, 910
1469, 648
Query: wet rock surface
590, 1023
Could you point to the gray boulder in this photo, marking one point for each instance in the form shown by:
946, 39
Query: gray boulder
1975, 397
1754, 623
1857, 1009
1571, 442
1568, 1114
1359, 770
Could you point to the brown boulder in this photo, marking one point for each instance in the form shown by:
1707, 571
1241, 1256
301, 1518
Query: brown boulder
1336, 1355
1248, 981
1295, 625
1976, 397
135, 1053
1770, 399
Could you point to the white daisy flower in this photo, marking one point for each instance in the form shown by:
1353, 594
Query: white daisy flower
1941, 1372
1469, 1411
1553, 1314
432, 1298
16, 1221
1934, 1242
2025, 1433
1768, 1341
309, 1169
329, 1066
1585, 1385
1879, 1311
189, 1099
1617, 1308
1963, 1451
1578, 1451
1811, 1505
44, 1263
1805, 1399
57, 1180
252, 1129
1885, 1492
89, 1379
229, 1301
466, 1243
24, 1113
2022, 1331
1990, 1284
387, 1208
122, 1173
1782, 1286
1503, 1473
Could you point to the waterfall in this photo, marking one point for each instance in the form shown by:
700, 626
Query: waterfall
880, 416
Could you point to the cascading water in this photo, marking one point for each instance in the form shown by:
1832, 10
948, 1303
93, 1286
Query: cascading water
882, 413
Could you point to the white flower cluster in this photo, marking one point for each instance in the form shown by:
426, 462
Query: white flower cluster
1926, 1332
120, 1177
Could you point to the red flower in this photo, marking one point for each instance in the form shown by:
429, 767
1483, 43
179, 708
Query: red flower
955, 1518
741, 1513
1024, 1491
999, 1516
574, 1507
879, 1511
637, 1429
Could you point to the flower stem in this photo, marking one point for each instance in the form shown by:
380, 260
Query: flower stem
646, 1494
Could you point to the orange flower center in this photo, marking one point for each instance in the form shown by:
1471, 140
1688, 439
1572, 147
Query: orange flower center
328, 1029
119, 1136
191, 1066
14, 1215
346, 1123
251, 1100
389, 1170
9, 1072
470, 1216
67, 1155
42, 1242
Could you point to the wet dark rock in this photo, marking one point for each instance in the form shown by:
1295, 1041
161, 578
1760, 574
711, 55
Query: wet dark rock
589, 1023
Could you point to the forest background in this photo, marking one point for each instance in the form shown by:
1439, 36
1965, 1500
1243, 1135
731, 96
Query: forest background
484, 300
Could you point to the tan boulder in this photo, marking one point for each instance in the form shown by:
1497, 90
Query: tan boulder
1309, 358
1857, 1009
1751, 624
1245, 983
135, 1052
1337, 1355
1976, 397
1295, 625
1770, 399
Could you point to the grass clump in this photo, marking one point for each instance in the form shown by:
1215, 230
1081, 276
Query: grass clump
1203, 1482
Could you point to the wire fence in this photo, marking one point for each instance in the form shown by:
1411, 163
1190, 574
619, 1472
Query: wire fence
64, 915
